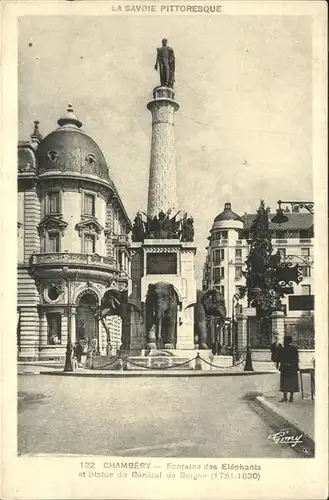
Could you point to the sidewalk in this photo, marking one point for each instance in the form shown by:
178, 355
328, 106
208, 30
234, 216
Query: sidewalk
34, 367
296, 419
301, 411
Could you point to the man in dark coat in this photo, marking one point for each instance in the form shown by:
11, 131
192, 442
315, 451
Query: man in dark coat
275, 346
78, 351
289, 367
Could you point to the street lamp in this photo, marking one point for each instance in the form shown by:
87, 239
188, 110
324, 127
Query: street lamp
69, 348
235, 302
248, 364
280, 216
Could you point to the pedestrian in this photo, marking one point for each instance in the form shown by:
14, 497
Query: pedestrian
78, 352
94, 346
275, 346
289, 367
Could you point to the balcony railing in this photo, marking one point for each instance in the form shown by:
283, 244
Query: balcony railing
80, 259
219, 243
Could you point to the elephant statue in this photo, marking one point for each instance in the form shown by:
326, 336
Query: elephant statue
214, 303
161, 315
200, 322
210, 306
117, 303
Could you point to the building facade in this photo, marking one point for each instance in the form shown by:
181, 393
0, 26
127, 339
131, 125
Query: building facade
73, 242
228, 250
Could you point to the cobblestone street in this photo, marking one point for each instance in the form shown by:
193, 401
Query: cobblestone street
144, 417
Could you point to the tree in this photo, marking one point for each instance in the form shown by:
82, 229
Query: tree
262, 285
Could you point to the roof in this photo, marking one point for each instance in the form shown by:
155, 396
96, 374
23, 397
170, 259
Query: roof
295, 220
227, 214
69, 149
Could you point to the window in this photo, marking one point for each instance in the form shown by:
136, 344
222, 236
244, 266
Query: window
306, 271
91, 159
53, 293
305, 252
222, 272
215, 236
53, 242
52, 203
89, 243
217, 257
238, 272
223, 235
89, 204
216, 274
306, 289
281, 234
306, 233
222, 290
54, 328
238, 254
53, 156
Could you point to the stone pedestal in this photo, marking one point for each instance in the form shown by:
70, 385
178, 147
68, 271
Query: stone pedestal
183, 281
277, 318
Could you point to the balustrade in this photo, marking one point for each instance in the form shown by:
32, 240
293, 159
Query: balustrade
72, 258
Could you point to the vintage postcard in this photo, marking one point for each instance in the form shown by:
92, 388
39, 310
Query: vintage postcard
164, 303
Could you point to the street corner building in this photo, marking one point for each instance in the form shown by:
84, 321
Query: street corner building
225, 263
73, 242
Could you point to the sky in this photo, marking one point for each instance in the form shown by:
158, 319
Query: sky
243, 83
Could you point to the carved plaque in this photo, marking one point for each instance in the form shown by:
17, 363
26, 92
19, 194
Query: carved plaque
161, 263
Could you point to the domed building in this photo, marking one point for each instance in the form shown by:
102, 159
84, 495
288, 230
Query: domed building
72, 242
222, 252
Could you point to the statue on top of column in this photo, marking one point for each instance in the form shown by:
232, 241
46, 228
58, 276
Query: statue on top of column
165, 61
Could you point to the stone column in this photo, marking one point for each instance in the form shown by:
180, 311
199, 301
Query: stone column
73, 324
242, 332
162, 181
64, 328
277, 318
43, 329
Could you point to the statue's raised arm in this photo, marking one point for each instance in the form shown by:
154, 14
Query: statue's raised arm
165, 61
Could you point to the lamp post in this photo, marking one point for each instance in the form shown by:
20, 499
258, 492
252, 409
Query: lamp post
280, 216
69, 348
235, 302
248, 364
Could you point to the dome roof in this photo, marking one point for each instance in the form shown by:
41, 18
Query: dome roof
69, 149
227, 214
